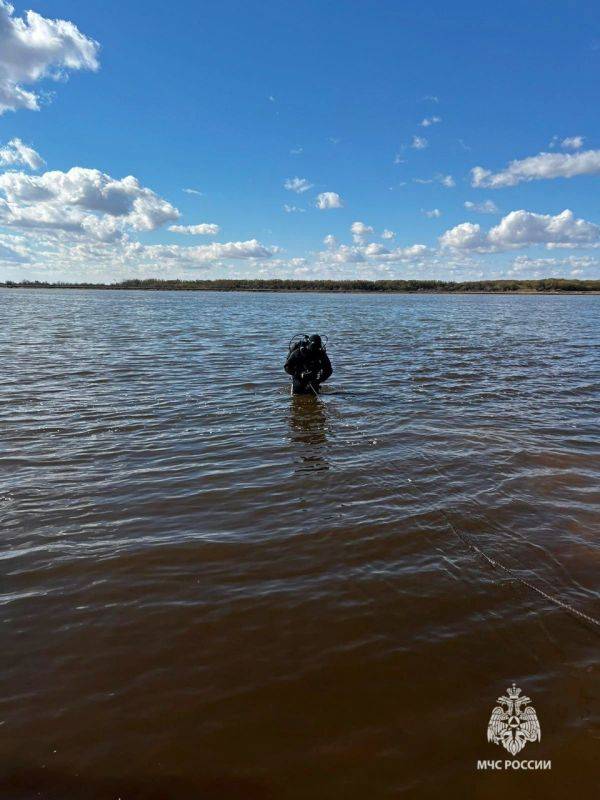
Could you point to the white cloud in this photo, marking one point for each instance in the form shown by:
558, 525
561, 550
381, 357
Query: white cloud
62, 257
432, 98
572, 142
33, 48
375, 249
446, 180
568, 143
387, 234
408, 253
433, 214
193, 191
428, 121
466, 236
373, 252
398, 254
487, 207
330, 241
419, 143
216, 251
525, 228
12, 255
327, 200
202, 229
343, 255
81, 201
197, 255
540, 167
17, 152
360, 231
296, 151
50, 217
298, 185
524, 263
398, 159
289, 209
521, 229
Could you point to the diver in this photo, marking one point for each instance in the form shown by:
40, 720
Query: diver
308, 364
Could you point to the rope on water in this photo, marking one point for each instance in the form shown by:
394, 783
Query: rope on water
497, 565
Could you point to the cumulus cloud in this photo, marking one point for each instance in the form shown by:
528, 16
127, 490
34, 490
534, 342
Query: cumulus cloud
572, 143
360, 231
202, 229
17, 153
327, 200
198, 255
33, 48
487, 207
375, 249
433, 214
298, 185
568, 143
526, 263
216, 251
61, 257
429, 121
466, 236
369, 253
521, 229
330, 241
387, 234
81, 201
344, 254
290, 209
525, 228
419, 143
541, 167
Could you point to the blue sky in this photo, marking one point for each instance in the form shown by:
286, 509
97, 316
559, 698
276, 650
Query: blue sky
380, 110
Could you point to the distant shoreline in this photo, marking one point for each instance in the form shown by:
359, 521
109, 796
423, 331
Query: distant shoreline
542, 286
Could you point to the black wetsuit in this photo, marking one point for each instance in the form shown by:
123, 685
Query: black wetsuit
308, 369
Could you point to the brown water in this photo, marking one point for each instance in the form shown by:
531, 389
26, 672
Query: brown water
212, 590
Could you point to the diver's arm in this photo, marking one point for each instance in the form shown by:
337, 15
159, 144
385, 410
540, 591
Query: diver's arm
326, 368
292, 364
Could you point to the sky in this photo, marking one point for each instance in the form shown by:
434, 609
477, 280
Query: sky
307, 139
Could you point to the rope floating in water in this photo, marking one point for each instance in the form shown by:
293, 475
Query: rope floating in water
497, 565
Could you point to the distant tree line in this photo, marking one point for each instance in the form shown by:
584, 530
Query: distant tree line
278, 285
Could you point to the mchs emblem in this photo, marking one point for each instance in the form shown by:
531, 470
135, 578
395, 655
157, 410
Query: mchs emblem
514, 722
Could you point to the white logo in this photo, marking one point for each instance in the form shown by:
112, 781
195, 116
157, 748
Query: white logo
514, 722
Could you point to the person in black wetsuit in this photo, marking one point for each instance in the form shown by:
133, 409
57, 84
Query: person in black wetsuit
308, 364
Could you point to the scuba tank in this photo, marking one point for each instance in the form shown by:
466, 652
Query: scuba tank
308, 355
302, 340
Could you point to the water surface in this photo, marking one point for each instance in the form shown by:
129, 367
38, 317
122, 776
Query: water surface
214, 590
